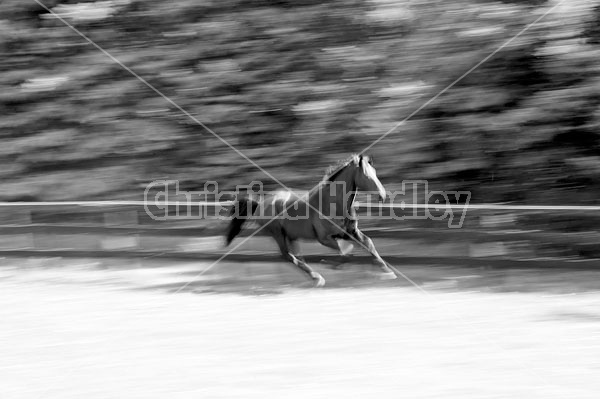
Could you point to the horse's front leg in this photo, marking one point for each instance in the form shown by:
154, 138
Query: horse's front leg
344, 247
368, 245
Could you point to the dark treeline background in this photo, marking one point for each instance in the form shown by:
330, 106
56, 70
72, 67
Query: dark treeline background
298, 85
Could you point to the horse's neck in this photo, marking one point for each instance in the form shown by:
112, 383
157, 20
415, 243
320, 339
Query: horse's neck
331, 193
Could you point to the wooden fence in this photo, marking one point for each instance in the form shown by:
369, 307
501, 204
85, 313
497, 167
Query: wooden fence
491, 234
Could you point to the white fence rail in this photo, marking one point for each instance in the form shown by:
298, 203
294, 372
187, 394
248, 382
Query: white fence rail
498, 207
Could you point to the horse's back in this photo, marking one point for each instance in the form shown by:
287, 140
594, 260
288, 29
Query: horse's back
291, 211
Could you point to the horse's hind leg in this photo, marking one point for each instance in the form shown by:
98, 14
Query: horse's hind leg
302, 265
289, 251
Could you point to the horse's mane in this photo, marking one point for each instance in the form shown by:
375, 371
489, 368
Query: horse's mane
333, 170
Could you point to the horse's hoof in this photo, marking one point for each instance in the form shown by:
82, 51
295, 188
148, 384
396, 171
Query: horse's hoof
388, 275
319, 281
385, 268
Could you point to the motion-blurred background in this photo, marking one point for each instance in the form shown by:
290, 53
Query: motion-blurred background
297, 85
512, 304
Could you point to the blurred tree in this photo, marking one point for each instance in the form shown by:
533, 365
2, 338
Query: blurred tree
298, 85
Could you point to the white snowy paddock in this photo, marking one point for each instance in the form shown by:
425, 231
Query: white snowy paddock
116, 329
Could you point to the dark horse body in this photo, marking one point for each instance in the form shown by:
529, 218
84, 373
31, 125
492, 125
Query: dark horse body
326, 215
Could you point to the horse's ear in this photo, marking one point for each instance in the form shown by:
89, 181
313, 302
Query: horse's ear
357, 159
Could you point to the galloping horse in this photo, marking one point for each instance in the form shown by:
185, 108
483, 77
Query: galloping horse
327, 215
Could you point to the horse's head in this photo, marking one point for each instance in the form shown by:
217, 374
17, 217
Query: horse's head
366, 176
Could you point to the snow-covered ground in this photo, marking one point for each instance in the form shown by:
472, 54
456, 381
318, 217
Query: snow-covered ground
82, 329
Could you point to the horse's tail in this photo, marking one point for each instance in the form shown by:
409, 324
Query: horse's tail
240, 211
